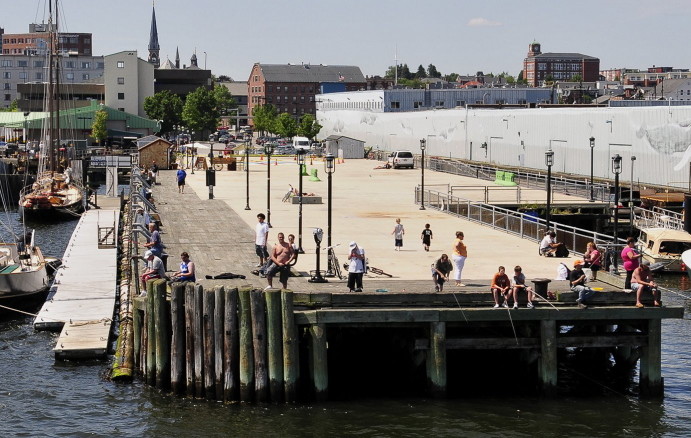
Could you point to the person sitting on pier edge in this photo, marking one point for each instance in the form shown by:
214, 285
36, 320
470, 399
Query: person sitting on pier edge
500, 286
518, 283
187, 271
356, 267
629, 257
440, 272
154, 269
154, 244
577, 278
549, 245
281, 255
642, 281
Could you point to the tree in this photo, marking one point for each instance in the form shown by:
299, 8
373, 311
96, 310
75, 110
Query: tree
452, 77
285, 125
432, 71
165, 106
264, 117
199, 112
224, 100
14, 106
98, 128
576, 78
308, 126
421, 73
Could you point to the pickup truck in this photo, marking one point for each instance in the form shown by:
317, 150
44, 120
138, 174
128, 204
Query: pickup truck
401, 159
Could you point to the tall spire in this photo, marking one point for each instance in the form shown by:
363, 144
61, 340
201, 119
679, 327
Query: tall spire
154, 48
177, 58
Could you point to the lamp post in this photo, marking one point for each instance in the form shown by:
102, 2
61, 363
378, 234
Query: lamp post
247, 174
268, 150
301, 161
616, 168
192, 151
210, 173
631, 206
592, 188
549, 161
423, 146
330, 168
25, 135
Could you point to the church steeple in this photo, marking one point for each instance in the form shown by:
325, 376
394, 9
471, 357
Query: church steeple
154, 48
177, 58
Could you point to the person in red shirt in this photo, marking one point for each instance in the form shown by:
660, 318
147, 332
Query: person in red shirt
500, 286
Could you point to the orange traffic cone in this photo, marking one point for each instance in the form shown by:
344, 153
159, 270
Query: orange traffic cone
275, 162
311, 159
261, 157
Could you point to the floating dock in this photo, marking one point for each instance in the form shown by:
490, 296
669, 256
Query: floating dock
82, 298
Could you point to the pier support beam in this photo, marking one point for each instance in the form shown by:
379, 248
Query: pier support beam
290, 347
198, 333
261, 373
209, 302
230, 346
150, 370
275, 344
246, 350
651, 381
177, 343
189, 339
548, 357
162, 329
219, 316
320, 368
436, 359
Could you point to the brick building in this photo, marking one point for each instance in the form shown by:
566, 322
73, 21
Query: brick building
292, 88
538, 66
36, 42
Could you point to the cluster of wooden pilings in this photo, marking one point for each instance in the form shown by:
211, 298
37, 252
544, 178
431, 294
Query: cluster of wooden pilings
220, 344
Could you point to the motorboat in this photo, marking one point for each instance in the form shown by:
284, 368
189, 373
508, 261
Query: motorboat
24, 271
663, 248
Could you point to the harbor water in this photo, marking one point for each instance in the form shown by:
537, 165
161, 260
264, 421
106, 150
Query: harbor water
40, 397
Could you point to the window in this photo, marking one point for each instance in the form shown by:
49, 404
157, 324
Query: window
121, 96
121, 109
285, 89
271, 88
121, 64
38, 76
295, 99
70, 76
6, 75
85, 76
256, 78
395, 105
39, 64
23, 75
121, 81
417, 104
6, 63
100, 65
22, 63
86, 65
69, 64
6, 86
8, 97
439, 104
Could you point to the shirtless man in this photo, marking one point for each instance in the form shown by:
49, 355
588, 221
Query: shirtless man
642, 281
281, 255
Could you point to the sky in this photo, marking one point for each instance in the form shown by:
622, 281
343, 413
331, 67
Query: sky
457, 36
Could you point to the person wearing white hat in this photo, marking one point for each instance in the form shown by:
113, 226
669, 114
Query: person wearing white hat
356, 267
154, 268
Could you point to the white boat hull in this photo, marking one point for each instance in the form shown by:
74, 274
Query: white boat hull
23, 283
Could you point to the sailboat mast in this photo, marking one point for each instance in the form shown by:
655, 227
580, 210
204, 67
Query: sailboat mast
56, 59
51, 88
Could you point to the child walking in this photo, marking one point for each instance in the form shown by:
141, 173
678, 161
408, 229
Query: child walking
398, 232
426, 237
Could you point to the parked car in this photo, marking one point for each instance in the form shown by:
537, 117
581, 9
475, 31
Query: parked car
401, 159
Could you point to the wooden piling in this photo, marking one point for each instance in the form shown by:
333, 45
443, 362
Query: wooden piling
162, 329
189, 339
275, 344
436, 359
231, 355
650, 380
548, 357
261, 375
246, 350
209, 361
219, 315
320, 369
290, 347
177, 343
198, 332
150, 374
137, 326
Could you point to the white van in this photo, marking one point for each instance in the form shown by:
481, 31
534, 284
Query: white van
301, 142
401, 159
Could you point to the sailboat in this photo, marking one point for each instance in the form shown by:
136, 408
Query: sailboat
24, 271
56, 190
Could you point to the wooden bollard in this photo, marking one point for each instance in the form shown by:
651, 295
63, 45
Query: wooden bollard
219, 314
246, 350
290, 347
320, 369
177, 342
261, 374
162, 329
150, 373
198, 341
189, 339
209, 360
436, 359
275, 344
230, 346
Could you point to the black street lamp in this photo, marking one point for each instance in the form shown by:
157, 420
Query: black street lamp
423, 146
301, 162
631, 205
592, 188
549, 161
247, 174
194, 157
616, 168
268, 150
210, 173
330, 168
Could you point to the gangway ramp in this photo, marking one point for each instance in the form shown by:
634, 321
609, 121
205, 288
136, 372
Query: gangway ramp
82, 298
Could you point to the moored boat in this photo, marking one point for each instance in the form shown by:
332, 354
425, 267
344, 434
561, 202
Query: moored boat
664, 247
23, 269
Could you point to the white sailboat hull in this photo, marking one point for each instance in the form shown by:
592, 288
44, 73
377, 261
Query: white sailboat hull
23, 283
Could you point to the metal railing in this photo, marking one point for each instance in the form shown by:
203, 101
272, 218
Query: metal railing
658, 217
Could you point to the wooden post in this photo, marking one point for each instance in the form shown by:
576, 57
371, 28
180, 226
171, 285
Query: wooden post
198, 332
246, 350
177, 343
150, 335
137, 321
189, 339
145, 341
651, 382
261, 375
230, 346
320, 368
275, 343
162, 321
436, 359
209, 359
290, 347
548, 357
219, 314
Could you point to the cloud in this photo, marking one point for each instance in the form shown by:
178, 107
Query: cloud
476, 22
